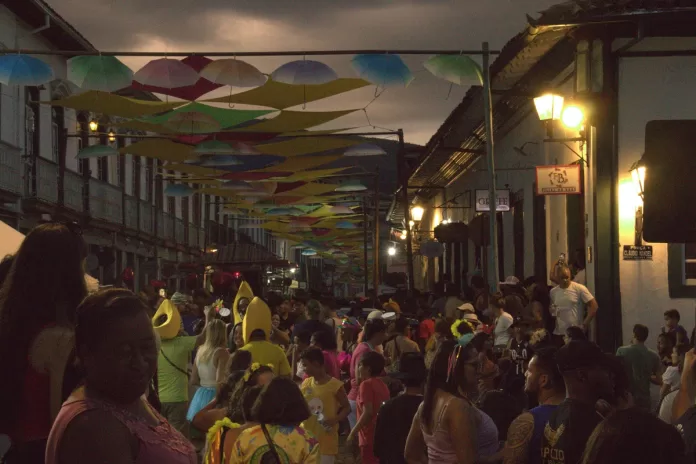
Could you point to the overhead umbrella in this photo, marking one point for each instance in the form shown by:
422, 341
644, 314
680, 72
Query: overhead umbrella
365, 149
308, 252
266, 187
236, 185
351, 186
214, 161
304, 72
166, 73
457, 69
178, 190
216, 147
192, 122
284, 212
233, 72
383, 70
96, 151
345, 225
103, 73
338, 209
21, 69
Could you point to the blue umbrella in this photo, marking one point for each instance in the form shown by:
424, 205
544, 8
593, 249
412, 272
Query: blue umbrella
24, 70
345, 225
383, 70
304, 72
178, 190
96, 151
308, 253
217, 161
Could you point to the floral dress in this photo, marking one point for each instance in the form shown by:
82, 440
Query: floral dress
294, 445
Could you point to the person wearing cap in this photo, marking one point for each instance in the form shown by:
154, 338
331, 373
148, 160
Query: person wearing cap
396, 415
571, 304
544, 381
503, 322
587, 374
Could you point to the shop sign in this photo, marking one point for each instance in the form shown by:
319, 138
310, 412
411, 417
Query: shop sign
637, 253
503, 200
558, 180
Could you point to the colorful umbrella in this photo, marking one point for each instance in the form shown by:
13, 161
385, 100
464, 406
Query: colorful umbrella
308, 252
236, 185
457, 69
338, 209
217, 161
178, 190
24, 70
192, 122
213, 147
284, 212
96, 151
103, 73
189, 92
234, 73
383, 70
365, 149
166, 73
304, 72
351, 186
345, 225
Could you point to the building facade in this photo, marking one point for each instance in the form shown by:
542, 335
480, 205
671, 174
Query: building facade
127, 220
625, 65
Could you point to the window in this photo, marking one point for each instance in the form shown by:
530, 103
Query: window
30, 124
171, 205
681, 270
136, 176
83, 141
149, 178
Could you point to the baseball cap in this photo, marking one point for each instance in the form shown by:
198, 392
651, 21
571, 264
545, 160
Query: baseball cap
466, 307
471, 317
580, 354
511, 280
376, 314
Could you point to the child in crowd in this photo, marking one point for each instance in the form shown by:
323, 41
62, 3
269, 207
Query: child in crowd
372, 393
327, 402
672, 318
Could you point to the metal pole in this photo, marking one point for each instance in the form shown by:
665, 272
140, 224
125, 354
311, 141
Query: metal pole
492, 197
235, 54
365, 245
375, 239
405, 204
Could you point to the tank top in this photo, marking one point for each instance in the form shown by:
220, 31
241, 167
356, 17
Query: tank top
541, 416
160, 443
207, 372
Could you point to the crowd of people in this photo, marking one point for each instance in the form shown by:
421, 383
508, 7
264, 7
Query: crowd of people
460, 376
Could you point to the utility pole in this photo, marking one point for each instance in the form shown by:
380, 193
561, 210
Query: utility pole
405, 204
492, 196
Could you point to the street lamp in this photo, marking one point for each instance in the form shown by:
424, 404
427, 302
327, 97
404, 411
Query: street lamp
549, 107
391, 251
417, 213
93, 125
572, 117
112, 136
404, 235
638, 175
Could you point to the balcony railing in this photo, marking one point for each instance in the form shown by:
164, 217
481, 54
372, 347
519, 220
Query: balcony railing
46, 180
106, 201
73, 191
180, 231
168, 226
130, 205
146, 217
10, 168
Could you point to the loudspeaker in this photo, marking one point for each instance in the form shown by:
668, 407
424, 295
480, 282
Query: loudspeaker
669, 213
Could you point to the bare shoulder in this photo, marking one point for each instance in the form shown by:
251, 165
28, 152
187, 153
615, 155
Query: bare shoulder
97, 436
51, 345
520, 430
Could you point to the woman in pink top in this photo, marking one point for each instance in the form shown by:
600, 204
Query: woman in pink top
109, 421
375, 333
327, 344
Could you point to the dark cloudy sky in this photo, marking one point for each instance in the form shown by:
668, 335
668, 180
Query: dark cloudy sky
266, 25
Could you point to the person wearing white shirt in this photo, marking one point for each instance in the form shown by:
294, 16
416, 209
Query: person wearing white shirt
569, 300
503, 321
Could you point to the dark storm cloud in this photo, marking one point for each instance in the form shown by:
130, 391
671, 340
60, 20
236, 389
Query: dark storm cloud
262, 25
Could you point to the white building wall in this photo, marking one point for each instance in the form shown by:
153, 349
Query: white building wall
649, 89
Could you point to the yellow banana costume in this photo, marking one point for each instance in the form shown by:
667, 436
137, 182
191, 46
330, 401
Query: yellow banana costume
244, 292
171, 327
258, 316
